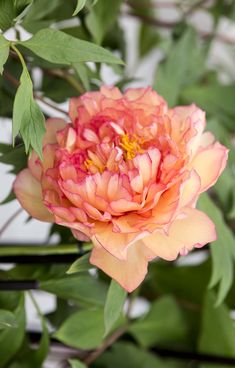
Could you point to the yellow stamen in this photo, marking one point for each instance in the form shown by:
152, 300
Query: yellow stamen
131, 146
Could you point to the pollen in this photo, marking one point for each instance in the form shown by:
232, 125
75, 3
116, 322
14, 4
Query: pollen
131, 146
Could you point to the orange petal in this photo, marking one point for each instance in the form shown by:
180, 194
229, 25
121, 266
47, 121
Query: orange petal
29, 193
128, 273
190, 190
209, 163
195, 229
53, 125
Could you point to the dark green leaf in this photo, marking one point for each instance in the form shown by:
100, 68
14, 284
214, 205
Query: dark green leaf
114, 305
101, 18
58, 47
80, 288
83, 329
7, 14
11, 339
223, 249
163, 324
80, 265
148, 38
217, 331
7, 319
15, 157
4, 51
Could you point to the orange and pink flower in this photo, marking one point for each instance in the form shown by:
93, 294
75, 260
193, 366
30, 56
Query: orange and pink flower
126, 172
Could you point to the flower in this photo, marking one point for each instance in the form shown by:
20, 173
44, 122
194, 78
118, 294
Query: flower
126, 172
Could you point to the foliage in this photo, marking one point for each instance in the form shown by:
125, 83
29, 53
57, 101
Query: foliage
73, 44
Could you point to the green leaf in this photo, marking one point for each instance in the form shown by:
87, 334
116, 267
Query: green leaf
60, 48
217, 330
11, 339
4, 51
183, 65
80, 6
80, 265
7, 14
7, 319
76, 364
80, 288
33, 127
27, 116
148, 38
160, 326
127, 355
22, 97
82, 73
101, 18
83, 329
15, 157
223, 249
114, 305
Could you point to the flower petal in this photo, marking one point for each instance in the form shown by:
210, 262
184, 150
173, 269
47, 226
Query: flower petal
29, 193
209, 163
128, 273
195, 229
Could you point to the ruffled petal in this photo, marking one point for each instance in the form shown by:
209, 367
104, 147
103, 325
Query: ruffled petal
128, 273
29, 193
195, 229
209, 163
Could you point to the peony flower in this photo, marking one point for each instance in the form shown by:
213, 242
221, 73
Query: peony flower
126, 172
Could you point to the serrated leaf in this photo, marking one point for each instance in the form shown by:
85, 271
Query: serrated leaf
83, 329
4, 51
102, 17
80, 265
80, 5
160, 326
114, 305
60, 48
223, 249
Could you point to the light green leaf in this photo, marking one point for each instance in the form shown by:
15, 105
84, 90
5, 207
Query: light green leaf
33, 127
60, 48
183, 65
27, 116
80, 288
83, 329
79, 7
4, 51
80, 265
223, 249
217, 331
164, 323
114, 305
102, 17
21, 102
7, 319
82, 73
7, 14
76, 364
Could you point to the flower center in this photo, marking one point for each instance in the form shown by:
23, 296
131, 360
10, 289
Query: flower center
131, 146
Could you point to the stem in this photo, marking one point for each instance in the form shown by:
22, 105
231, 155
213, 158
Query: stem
13, 250
21, 59
9, 221
108, 342
70, 79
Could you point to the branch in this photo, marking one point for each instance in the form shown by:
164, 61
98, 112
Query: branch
9, 221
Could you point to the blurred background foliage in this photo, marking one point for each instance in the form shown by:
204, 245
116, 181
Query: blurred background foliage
190, 302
